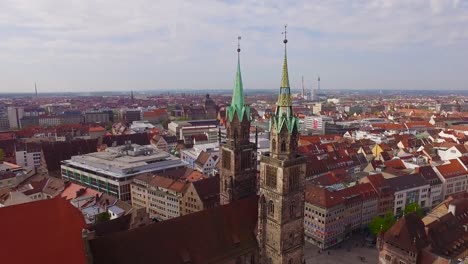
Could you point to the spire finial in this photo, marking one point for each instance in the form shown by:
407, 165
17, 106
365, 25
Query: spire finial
285, 33
238, 43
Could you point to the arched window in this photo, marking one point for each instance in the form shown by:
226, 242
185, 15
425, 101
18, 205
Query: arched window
283, 146
273, 144
271, 208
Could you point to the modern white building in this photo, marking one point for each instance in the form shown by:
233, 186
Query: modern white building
409, 189
454, 177
112, 170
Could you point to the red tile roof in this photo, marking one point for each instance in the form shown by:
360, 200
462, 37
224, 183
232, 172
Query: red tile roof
209, 236
47, 231
452, 169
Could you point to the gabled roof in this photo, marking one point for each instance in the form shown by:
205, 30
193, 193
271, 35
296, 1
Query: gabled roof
47, 231
207, 188
203, 158
408, 233
452, 169
203, 237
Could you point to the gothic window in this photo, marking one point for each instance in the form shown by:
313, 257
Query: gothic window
292, 209
226, 159
271, 176
246, 160
271, 208
226, 185
283, 146
273, 144
294, 174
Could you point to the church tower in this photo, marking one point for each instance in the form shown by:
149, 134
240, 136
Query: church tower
238, 155
282, 185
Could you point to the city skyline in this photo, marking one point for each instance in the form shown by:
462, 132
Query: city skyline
86, 47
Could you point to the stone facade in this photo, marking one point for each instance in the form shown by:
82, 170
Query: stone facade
282, 186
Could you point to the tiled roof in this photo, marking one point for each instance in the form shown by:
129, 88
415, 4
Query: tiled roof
203, 158
207, 188
209, 236
47, 231
428, 173
72, 190
408, 233
167, 183
452, 169
406, 182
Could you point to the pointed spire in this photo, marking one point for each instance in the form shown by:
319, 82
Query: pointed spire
285, 76
238, 103
284, 97
238, 93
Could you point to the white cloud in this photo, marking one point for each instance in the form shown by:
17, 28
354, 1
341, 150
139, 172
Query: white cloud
194, 35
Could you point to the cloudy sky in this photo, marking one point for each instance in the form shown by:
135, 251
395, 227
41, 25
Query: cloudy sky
88, 45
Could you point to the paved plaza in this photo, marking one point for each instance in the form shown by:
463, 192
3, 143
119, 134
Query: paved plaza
351, 251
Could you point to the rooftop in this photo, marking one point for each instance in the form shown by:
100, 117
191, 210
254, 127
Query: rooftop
127, 160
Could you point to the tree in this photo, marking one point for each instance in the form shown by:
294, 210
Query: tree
103, 217
2, 155
414, 207
379, 223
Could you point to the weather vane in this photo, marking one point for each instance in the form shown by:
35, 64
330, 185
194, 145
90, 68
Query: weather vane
285, 33
238, 43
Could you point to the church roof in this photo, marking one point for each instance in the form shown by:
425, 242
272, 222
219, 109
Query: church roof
203, 237
47, 231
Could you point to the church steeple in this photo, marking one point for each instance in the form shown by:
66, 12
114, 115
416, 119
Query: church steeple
238, 154
282, 184
284, 118
238, 103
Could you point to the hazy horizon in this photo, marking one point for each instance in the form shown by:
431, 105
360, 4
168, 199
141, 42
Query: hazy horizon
142, 45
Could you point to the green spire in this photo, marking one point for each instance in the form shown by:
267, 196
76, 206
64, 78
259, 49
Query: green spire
238, 103
284, 97
238, 93
284, 115
285, 76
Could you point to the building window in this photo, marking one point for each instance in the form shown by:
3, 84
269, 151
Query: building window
271, 176
294, 178
292, 209
271, 208
226, 159
273, 145
283, 146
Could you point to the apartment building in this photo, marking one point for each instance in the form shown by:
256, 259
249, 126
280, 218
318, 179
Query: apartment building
436, 186
454, 177
384, 191
331, 215
161, 196
409, 189
200, 195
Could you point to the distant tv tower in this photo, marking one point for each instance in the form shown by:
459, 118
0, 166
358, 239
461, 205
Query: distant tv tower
35, 88
318, 85
303, 90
